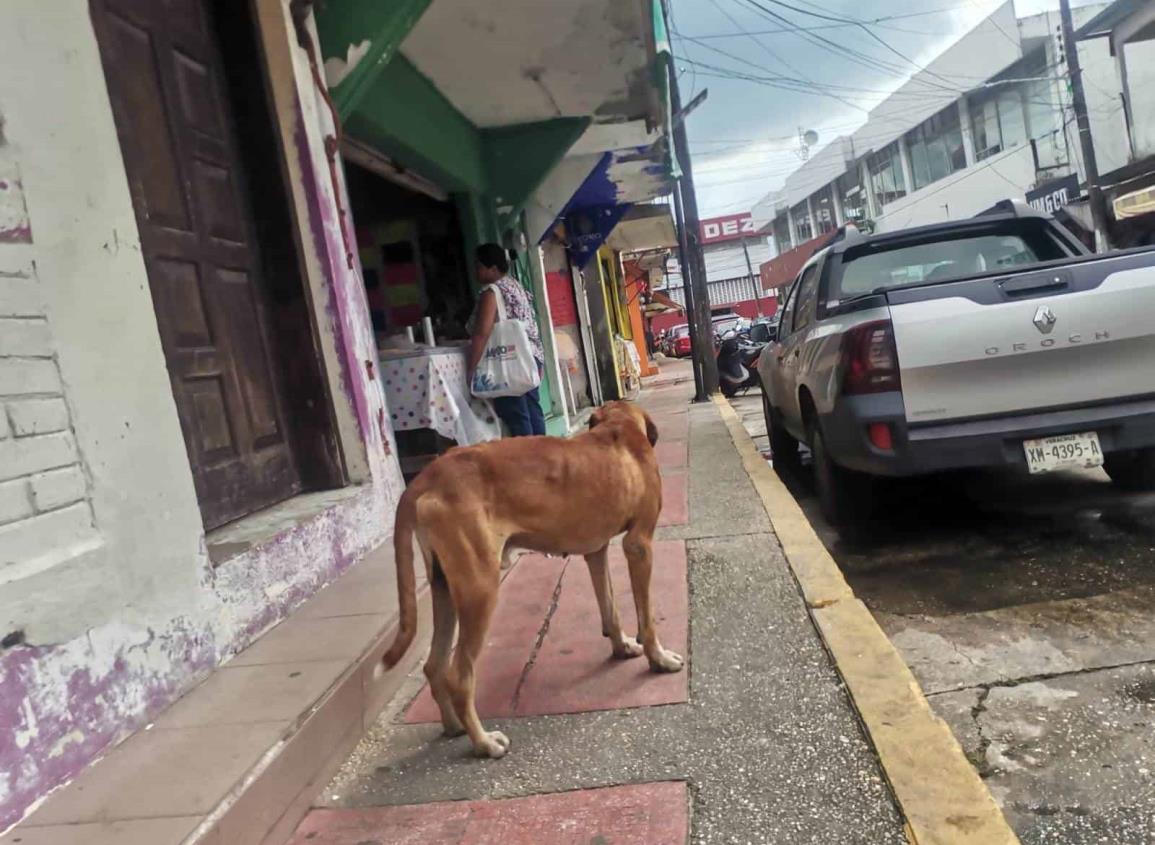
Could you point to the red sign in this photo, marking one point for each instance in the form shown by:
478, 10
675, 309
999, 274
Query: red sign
732, 227
562, 307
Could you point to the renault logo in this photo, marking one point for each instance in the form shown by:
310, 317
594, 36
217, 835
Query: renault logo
1045, 319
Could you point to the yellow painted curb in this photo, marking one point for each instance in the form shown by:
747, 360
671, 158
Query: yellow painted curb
943, 798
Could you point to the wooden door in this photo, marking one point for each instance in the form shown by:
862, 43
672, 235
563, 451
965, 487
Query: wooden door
176, 131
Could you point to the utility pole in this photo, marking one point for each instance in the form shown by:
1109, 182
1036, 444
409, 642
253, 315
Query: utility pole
753, 283
693, 266
687, 289
1079, 98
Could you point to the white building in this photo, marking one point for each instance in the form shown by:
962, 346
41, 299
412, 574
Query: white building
950, 143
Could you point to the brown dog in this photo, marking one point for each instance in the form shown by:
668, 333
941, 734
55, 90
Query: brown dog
548, 494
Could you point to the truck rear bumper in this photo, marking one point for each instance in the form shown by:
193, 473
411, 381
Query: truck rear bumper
979, 443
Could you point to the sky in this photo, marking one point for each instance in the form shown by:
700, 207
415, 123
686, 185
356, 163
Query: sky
744, 137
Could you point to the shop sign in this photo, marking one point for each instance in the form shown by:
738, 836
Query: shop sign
1051, 196
732, 227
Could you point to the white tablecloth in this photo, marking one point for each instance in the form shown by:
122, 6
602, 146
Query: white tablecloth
427, 389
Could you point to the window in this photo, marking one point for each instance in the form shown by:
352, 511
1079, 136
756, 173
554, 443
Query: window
886, 180
782, 233
807, 289
998, 121
823, 204
800, 216
849, 187
936, 148
786, 322
871, 268
1044, 111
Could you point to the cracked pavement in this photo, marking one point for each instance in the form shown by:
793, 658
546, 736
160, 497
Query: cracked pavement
1026, 609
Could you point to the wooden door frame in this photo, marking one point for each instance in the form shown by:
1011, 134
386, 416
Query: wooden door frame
299, 125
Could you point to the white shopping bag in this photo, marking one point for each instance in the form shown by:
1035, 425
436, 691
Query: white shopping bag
507, 368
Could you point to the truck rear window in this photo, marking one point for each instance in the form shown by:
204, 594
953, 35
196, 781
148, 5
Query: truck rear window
881, 266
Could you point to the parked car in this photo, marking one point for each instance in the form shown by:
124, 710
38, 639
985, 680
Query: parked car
993, 341
678, 342
724, 324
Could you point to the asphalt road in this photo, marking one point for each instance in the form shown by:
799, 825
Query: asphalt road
1025, 606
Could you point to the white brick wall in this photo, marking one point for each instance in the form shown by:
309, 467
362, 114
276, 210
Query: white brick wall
44, 505
57, 488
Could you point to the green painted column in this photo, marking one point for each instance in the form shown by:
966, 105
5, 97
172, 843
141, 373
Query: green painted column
478, 225
366, 35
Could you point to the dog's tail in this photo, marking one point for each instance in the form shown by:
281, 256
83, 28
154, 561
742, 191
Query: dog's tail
403, 530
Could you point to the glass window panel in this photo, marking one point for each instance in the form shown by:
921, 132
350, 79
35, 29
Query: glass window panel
823, 203
886, 179
1012, 119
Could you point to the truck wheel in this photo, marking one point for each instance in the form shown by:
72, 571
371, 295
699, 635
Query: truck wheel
1132, 470
783, 446
845, 495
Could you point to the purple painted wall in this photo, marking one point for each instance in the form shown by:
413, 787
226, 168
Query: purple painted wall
63, 704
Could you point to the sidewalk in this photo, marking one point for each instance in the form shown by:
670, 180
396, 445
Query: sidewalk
755, 742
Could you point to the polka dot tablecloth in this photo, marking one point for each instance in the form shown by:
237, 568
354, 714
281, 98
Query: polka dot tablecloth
428, 390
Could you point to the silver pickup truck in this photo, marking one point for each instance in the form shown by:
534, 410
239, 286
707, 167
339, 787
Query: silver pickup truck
993, 341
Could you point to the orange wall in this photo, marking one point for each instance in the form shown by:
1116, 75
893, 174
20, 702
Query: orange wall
635, 281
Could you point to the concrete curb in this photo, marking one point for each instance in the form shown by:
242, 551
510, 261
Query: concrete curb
944, 800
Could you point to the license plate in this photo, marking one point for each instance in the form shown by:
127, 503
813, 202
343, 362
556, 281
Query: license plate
1064, 452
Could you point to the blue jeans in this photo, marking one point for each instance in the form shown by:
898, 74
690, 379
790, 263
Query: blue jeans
522, 415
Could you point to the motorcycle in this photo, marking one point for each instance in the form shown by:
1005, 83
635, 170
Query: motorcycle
738, 362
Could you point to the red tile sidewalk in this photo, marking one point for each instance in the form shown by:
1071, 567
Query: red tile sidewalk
675, 498
572, 671
546, 655
637, 814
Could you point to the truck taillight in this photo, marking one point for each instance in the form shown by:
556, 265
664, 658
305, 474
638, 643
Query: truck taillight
870, 359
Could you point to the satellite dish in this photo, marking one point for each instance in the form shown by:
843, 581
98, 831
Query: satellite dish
810, 137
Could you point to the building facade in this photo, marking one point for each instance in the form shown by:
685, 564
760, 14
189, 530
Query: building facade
210, 215
951, 141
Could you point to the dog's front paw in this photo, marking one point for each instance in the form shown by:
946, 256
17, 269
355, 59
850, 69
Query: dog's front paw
627, 649
493, 745
666, 661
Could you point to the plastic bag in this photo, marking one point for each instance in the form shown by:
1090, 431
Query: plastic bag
507, 367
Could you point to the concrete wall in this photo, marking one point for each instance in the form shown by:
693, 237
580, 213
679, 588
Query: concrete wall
1140, 62
1007, 175
109, 621
822, 168
727, 260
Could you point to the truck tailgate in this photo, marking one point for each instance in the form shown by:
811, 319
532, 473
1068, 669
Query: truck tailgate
970, 351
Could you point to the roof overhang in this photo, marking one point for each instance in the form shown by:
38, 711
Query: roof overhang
456, 90
644, 227
1102, 23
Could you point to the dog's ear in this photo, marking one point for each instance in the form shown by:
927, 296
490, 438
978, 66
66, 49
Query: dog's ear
597, 417
651, 430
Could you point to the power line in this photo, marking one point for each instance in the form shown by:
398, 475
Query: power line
762, 46
865, 28
842, 50
840, 25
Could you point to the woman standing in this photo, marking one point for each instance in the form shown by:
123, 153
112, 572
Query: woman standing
522, 415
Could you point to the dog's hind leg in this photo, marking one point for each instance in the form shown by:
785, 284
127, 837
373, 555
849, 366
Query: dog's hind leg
444, 630
639, 553
475, 596
624, 647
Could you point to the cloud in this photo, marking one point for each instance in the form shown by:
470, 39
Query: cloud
765, 121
